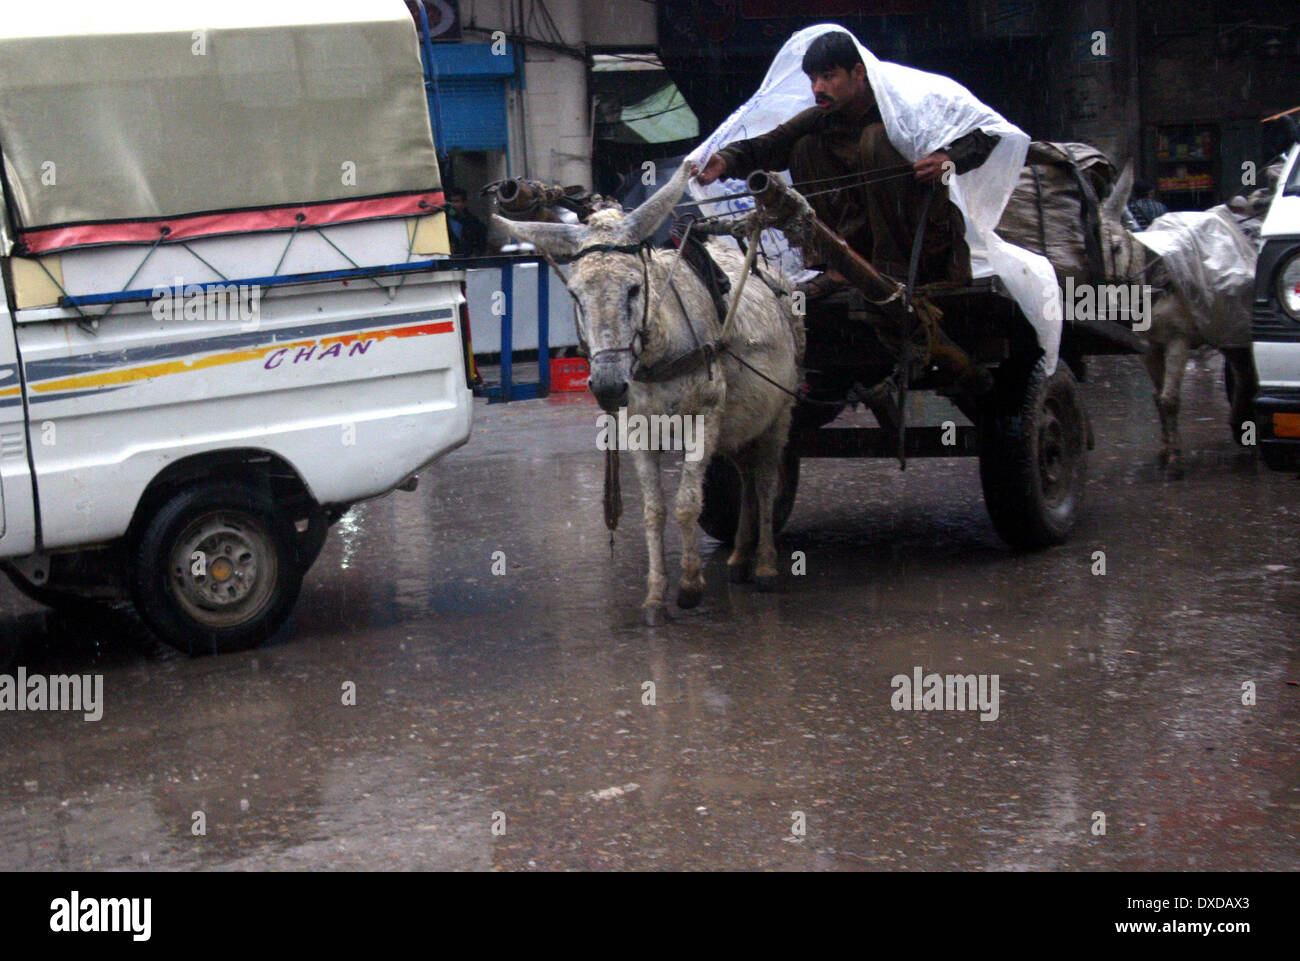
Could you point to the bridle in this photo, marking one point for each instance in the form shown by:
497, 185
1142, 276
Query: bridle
640, 249
702, 354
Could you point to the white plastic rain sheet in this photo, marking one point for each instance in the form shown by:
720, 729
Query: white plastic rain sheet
1211, 264
922, 113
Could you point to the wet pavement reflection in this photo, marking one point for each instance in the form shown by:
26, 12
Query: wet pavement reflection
516, 701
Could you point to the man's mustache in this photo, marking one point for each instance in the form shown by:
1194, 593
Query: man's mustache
824, 99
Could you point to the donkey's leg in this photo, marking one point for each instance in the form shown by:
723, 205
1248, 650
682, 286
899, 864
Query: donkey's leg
767, 482
1154, 359
1245, 381
738, 564
654, 514
1176, 354
689, 503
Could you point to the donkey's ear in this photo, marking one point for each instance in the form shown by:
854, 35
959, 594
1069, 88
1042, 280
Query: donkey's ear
645, 220
560, 241
1113, 206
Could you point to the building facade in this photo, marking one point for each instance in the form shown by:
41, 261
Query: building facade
525, 87
513, 84
1178, 86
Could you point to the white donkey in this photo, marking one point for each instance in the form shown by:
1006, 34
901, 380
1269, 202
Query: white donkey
642, 321
1176, 330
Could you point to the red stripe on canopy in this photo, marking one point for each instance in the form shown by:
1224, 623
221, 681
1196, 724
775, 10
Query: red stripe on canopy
49, 239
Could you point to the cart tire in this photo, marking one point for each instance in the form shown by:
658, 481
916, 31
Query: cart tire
721, 512
1033, 459
247, 583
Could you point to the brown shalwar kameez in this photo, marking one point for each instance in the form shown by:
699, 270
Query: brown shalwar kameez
878, 220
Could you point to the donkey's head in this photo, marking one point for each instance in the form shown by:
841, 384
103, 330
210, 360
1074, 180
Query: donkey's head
1121, 255
609, 282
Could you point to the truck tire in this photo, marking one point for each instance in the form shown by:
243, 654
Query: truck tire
1033, 458
216, 568
721, 512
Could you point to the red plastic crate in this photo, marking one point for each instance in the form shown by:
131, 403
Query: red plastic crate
569, 373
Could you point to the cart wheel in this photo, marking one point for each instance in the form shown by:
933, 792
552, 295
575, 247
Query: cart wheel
721, 511
1033, 459
216, 569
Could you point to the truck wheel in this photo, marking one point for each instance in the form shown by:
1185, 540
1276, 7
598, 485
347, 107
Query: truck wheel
216, 569
721, 512
1033, 461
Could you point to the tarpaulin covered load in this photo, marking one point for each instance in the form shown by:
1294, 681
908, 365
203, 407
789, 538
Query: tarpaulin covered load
922, 113
209, 117
1210, 262
1054, 206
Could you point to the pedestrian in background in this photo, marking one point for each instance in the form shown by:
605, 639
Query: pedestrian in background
468, 234
1143, 206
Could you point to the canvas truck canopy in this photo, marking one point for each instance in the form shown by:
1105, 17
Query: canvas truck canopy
209, 117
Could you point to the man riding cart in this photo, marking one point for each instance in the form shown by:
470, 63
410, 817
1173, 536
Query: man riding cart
843, 136
905, 175
900, 178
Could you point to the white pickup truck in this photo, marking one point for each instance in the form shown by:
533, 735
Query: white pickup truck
223, 321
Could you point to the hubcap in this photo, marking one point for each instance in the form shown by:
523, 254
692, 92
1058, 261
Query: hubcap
223, 569
1055, 455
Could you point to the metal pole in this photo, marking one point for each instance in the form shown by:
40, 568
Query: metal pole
430, 76
543, 330
507, 329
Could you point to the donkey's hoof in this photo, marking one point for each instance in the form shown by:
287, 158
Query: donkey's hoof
738, 573
688, 597
765, 583
654, 615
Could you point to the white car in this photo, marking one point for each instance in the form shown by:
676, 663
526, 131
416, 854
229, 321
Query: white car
1275, 323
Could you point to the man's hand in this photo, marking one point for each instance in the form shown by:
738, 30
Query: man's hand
715, 168
932, 168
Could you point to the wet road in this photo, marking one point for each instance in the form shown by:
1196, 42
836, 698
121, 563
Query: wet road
516, 701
